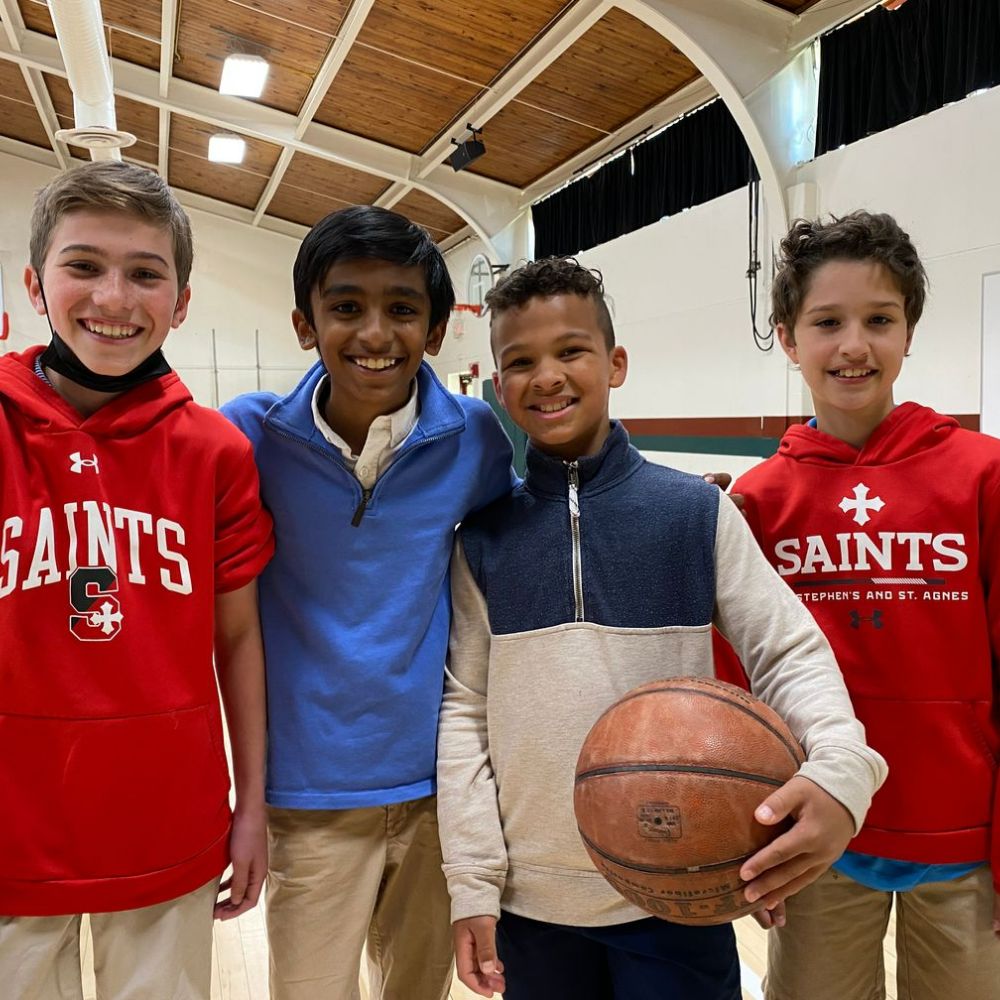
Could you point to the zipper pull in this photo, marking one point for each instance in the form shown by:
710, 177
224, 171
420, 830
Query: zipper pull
366, 495
573, 472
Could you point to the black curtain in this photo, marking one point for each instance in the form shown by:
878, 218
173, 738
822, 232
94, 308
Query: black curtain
699, 158
891, 66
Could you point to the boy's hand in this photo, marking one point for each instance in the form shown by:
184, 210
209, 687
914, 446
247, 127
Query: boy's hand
820, 832
722, 480
774, 917
248, 853
476, 962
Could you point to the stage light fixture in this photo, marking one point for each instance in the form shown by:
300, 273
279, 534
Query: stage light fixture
468, 147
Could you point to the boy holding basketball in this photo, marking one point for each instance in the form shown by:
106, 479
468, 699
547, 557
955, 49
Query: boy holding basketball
599, 573
366, 466
899, 562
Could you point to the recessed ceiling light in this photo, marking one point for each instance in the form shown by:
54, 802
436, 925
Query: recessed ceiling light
226, 148
243, 76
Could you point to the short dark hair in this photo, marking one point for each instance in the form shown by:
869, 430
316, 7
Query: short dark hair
541, 279
858, 236
112, 186
367, 232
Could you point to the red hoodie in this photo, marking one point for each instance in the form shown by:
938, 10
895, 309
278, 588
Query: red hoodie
116, 533
896, 551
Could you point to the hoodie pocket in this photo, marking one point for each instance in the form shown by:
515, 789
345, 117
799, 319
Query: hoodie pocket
109, 798
941, 767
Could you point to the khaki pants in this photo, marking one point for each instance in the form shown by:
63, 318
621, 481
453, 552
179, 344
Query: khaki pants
340, 877
161, 952
831, 946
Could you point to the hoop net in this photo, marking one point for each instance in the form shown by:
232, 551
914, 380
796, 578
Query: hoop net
460, 311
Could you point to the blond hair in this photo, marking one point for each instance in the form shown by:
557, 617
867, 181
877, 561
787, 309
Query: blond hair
112, 186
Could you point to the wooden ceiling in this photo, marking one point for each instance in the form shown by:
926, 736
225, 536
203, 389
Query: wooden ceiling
403, 74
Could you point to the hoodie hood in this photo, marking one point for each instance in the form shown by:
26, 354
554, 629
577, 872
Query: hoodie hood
908, 430
124, 416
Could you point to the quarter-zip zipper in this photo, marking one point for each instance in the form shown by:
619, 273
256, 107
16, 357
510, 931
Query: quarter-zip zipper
366, 495
573, 472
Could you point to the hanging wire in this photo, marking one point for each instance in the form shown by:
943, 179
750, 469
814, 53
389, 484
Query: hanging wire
763, 342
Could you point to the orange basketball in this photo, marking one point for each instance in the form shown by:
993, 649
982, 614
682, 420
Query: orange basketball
666, 786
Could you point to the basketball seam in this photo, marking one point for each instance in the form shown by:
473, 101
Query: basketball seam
746, 709
660, 870
720, 772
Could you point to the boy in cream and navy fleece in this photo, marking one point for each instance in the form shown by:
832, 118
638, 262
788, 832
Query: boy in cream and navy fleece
599, 573
366, 466
885, 520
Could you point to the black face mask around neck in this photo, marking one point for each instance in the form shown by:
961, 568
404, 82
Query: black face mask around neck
60, 358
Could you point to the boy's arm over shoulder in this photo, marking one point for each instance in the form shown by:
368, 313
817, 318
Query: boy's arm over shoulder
791, 666
495, 476
247, 412
475, 856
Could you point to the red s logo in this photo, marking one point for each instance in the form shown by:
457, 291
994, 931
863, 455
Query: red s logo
99, 617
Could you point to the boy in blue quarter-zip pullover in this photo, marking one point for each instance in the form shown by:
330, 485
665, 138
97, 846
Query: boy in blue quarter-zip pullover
366, 466
599, 573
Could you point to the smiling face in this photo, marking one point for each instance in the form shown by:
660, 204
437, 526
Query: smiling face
371, 326
110, 289
849, 339
555, 371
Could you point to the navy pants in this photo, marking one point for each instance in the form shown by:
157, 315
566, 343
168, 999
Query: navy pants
641, 960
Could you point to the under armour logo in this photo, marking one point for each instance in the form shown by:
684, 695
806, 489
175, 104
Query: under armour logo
857, 619
77, 463
107, 618
861, 504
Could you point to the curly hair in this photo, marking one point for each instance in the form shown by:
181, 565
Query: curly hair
859, 236
541, 279
112, 186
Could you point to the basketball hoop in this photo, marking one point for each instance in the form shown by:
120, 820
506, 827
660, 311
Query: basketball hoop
459, 313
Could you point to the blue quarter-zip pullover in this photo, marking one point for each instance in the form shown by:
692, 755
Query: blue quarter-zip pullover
355, 605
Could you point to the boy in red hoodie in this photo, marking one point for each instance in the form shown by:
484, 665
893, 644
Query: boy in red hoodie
131, 534
885, 520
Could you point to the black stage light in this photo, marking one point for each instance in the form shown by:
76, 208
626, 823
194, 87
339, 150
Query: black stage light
467, 150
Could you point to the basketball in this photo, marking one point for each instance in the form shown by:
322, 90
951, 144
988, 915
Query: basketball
666, 786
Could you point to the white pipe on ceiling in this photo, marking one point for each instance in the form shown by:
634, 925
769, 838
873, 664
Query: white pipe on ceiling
79, 27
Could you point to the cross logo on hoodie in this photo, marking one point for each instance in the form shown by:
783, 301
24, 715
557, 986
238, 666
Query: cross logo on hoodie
861, 504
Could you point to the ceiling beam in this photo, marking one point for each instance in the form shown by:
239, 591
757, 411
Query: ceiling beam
47, 112
236, 213
168, 41
742, 49
824, 16
427, 174
14, 29
689, 97
13, 23
235, 114
544, 51
26, 151
393, 194
465, 195
341, 46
